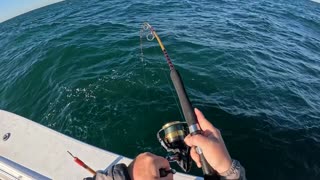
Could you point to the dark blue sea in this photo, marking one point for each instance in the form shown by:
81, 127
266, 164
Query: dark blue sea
252, 67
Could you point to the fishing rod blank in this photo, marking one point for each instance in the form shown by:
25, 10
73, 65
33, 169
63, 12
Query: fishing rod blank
186, 106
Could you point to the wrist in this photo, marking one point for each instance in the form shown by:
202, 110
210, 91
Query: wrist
233, 171
224, 166
118, 170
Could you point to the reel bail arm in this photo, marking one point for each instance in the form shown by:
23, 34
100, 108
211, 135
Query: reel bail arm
171, 137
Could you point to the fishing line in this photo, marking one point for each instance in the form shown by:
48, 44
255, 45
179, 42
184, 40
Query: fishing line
150, 37
143, 65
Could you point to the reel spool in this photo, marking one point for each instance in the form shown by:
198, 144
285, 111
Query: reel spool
171, 137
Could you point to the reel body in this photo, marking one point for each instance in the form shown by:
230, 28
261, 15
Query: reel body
171, 137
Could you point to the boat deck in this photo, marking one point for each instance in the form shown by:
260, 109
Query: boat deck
33, 151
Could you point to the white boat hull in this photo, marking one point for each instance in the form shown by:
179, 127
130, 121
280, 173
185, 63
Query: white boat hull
43, 152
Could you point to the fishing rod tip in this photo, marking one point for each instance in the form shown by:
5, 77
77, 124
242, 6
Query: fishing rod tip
70, 154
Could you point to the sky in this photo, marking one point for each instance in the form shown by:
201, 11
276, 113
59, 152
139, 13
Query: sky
13, 8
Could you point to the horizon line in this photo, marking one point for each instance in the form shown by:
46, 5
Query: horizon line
27, 9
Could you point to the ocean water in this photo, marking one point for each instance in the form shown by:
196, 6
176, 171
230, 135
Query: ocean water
252, 67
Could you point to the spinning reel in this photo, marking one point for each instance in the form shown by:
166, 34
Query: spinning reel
171, 137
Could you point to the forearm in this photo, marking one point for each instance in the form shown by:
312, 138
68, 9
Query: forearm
120, 172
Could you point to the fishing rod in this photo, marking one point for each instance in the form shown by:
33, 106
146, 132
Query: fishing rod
173, 133
82, 164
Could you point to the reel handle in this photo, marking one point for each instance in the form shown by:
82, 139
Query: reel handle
163, 172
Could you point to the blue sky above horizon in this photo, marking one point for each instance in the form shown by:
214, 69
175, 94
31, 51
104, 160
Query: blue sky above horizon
13, 8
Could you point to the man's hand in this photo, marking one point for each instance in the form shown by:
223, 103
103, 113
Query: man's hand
146, 166
212, 145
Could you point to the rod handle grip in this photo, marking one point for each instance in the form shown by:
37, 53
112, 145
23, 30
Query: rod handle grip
208, 171
191, 119
185, 103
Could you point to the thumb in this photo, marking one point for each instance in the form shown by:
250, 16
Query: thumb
203, 122
197, 140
